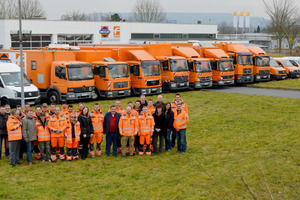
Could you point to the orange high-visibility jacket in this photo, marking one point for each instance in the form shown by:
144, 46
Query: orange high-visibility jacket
180, 120
68, 114
57, 125
42, 133
68, 132
151, 110
97, 121
146, 124
14, 128
128, 125
134, 112
174, 106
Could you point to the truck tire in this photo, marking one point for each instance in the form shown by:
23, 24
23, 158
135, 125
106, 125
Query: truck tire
4, 101
53, 97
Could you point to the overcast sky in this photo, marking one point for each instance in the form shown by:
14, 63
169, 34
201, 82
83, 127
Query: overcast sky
55, 8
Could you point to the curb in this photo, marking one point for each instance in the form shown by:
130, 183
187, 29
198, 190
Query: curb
275, 88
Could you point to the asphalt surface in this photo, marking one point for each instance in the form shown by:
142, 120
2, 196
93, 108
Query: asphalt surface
257, 91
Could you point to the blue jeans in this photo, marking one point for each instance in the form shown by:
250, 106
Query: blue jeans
168, 140
181, 140
5, 143
111, 138
29, 150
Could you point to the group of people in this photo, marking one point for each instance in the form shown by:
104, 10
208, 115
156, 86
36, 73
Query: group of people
137, 128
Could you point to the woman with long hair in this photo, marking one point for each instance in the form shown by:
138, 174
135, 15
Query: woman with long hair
159, 128
87, 132
169, 125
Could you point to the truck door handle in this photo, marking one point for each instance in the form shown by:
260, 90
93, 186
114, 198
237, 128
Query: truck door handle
106, 79
140, 78
54, 82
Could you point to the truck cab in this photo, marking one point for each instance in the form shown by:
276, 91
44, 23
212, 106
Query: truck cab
69, 81
174, 72
292, 71
111, 79
10, 86
261, 64
276, 71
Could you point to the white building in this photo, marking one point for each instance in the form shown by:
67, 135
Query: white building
44, 32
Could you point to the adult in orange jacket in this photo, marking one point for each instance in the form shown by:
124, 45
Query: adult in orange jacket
181, 119
145, 131
57, 125
44, 137
128, 126
72, 134
97, 118
151, 108
14, 131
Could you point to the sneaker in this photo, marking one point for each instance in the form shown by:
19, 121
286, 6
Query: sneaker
100, 156
123, 156
19, 163
49, 160
115, 155
43, 160
93, 156
30, 164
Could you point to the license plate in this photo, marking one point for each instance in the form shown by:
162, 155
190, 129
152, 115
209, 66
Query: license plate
206, 84
154, 89
264, 76
181, 84
121, 92
248, 77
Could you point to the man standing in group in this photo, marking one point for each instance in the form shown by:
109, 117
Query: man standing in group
111, 129
8, 109
64, 108
14, 130
57, 125
151, 108
45, 109
145, 130
43, 135
29, 134
159, 100
118, 104
70, 111
143, 101
97, 121
181, 118
128, 127
3, 131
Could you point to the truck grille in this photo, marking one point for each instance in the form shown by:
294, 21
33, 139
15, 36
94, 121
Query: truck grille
29, 94
205, 79
264, 72
180, 79
152, 82
81, 89
121, 84
227, 77
247, 71
281, 72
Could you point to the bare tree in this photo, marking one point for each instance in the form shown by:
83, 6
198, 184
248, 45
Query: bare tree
29, 9
225, 28
284, 15
75, 15
148, 11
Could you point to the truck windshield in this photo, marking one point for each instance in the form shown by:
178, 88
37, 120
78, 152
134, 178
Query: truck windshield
225, 65
14, 79
80, 73
262, 61
245, 60
273, 63
150, 70
178, 65
287, 63
202, 66
118, 71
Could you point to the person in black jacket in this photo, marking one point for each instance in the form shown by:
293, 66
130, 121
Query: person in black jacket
159, 128
3, 131
87, 132
169, 125
111, 129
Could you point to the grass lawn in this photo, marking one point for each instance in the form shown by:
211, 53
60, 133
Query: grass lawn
229, 136
281, 84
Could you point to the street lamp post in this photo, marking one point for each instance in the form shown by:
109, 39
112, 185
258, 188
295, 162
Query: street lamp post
21, 56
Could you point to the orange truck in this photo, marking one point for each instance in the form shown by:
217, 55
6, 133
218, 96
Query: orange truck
277, 72
221, 64
261, 64
57, 74
145, 72
292, 71
200, 73
111, 77
242, 60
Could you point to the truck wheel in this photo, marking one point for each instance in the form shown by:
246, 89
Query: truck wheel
53, 97
4, 101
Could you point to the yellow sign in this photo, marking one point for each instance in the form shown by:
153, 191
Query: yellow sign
241, 13
247, 14
234, 13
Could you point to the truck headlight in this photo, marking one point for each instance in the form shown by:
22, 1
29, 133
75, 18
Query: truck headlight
16, 94
173, 84
221, 77
258, 77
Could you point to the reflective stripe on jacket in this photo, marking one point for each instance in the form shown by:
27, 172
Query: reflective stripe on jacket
57, 125
174, 106
146, 124
43, 133
180, 120
14, 128
68, 132
97, 121
128, 125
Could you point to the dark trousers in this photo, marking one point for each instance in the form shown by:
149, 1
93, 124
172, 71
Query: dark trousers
85, 146
173, 137
14, 151
5, 137
161, 142
111, 138
45, 150
22, 149
29, 150
168, 140
181, 140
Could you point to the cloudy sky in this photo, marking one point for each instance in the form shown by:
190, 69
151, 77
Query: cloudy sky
55, 8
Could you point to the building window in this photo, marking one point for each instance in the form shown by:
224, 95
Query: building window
201, 36
74, 40
170, 36
142, 36
33, 65
33, 42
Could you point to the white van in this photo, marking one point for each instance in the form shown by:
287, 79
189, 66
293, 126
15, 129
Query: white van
10, 86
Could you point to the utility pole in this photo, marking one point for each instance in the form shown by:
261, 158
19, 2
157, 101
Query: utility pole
21, 56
